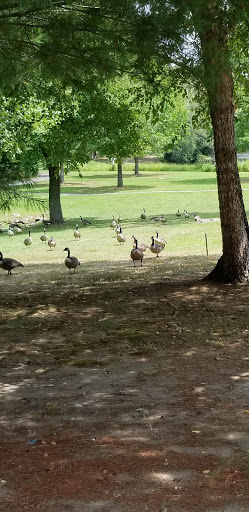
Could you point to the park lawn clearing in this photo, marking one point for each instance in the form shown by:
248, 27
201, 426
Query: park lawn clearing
124, 389
97, 243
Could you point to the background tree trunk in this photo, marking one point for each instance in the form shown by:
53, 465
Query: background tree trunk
234, 262
62, 173
136, 159
55, 210
120, 175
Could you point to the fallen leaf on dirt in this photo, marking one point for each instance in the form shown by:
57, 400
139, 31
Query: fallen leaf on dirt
206, 471
196, 431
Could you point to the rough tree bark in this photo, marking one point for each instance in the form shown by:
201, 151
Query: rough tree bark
120, 175
136, 159
55, 210
234, 262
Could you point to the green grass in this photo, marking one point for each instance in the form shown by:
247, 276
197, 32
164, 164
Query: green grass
160, 188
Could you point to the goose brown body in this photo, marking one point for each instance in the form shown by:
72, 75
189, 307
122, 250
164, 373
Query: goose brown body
28, 240
85, 222
160, 241
44, 237
52, 243
113, 224
157, 218
120, 236
77, 233
10, 232
17, 230
137, 254
45, 222
155, 248
71, 261
9, 263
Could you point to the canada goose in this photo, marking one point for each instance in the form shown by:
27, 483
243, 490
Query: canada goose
28, 240
136, 253
84, 221
45, 222
52, 243
77, 234
197, 218
10, 233
155, 248
160, 241
117, 228
205, 221
17, 230
142, 247
44, 237
163, 220
9, 263
120, 218
113, 223
120, 236
178, 213
157, 218
143, 215
186, 214
71, 261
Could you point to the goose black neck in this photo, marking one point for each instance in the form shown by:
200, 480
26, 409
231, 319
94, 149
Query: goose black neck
1, 256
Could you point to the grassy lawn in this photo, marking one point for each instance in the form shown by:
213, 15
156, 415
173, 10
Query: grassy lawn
159, 188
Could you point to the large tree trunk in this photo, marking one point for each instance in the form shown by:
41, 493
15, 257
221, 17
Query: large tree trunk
234, 262
55, 210
136, 165
120, 175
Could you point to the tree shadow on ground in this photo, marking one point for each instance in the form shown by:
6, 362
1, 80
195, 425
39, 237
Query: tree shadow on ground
89, 189
197, 181
131, 384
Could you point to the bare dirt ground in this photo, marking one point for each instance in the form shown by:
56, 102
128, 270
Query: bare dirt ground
123, 390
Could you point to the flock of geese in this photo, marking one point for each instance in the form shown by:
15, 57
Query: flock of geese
137, 253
